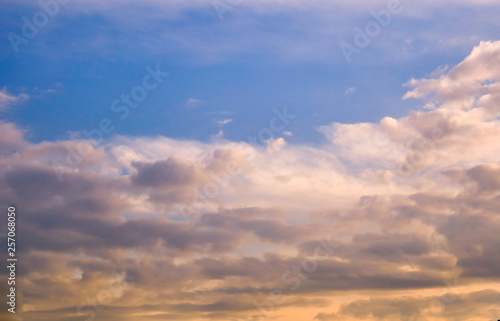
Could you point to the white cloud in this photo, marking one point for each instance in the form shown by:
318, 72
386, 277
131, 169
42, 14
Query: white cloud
223, 122
7, 100
350, 91
392, 233
11, 138
220, 134
193, 102
464, 105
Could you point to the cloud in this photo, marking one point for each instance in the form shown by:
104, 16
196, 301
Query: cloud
259, 215
11, 137
220, 134
160, 28
169, 173
350, 91
469, 306
464, 116
192, 103
7, 100
474, 78
223, 122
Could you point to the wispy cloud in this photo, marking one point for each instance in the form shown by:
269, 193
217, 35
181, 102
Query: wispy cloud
193, 103
324, 24
350, 91
223, 122
7, 99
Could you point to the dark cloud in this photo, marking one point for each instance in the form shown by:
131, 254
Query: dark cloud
100, 219
170, 173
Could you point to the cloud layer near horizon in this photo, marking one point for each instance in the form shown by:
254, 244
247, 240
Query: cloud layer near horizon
408, 208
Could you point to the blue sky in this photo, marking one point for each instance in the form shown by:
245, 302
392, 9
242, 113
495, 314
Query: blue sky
376, 198
257, 59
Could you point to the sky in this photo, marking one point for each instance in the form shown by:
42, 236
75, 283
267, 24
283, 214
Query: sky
252, 160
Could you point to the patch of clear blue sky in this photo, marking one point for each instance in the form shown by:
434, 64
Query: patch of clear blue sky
89, 60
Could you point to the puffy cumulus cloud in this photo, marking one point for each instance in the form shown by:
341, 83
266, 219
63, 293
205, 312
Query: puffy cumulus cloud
464, 116
299, 230
11, 137
464, 81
